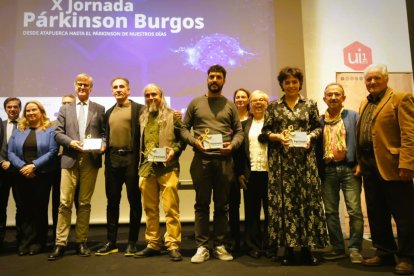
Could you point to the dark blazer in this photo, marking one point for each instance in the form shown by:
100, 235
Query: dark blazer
136, 110
68, 130
2, 136
3, 152
46, 149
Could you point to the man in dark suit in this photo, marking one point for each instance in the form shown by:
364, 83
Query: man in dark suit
77, 122
121, 165
12, 106
385, 153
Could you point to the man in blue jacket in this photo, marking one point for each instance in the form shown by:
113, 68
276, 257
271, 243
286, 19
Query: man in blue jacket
338, 171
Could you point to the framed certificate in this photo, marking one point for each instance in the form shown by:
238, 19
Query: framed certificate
158, 155
92, 144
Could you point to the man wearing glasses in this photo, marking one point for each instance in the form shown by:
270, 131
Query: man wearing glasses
76, 122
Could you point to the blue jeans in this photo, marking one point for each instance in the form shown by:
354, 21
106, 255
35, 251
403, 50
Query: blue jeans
341, 177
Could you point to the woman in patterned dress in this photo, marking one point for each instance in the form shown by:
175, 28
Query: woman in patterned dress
295, 201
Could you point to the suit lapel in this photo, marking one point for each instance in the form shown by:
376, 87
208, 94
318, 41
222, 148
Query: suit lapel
384, 100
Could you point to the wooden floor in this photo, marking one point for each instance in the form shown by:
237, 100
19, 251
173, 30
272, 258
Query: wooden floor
117, 264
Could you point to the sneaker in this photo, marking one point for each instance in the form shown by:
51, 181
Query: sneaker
201, 255
333, 255
221, 253
355, 256
107, 249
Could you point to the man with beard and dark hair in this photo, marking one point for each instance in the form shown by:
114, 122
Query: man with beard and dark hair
217, 132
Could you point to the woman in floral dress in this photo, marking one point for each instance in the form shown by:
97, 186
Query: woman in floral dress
295, 201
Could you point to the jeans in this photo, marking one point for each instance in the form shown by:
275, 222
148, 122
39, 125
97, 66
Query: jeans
341, 177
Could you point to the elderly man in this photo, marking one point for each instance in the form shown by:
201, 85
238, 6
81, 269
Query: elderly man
385, 151
78, 121
121, 166
336, 153
161, 147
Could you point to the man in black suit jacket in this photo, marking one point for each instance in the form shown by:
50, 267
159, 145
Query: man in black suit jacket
121, 165
76, 122
12, 106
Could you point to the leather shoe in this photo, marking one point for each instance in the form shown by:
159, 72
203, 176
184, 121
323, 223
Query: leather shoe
175, 255
107, 249
56, 253
83, 250
131, 249
307, 258
23, 252
404, 267
379, 260
35, 249
147, 252
254, 254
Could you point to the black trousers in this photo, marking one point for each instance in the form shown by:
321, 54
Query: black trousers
33, 194
115, 177
211, 176
386, 199
234, 214
6, 184
255, 197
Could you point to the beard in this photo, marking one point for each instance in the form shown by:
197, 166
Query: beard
214, 90
152, 107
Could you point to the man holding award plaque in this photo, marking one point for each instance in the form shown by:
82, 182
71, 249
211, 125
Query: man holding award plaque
161, 146
217, 132
78, 122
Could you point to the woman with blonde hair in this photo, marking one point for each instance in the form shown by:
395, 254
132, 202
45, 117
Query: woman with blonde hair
32, 150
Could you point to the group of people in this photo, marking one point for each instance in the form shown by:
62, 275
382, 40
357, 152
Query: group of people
289, 161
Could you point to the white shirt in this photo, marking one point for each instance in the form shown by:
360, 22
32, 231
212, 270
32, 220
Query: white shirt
9, 130
258, 151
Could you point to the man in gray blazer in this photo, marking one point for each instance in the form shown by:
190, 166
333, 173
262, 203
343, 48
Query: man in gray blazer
76, 122
12, 107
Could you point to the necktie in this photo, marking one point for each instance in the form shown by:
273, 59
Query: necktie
81, 121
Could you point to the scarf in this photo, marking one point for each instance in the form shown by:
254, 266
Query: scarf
339, 139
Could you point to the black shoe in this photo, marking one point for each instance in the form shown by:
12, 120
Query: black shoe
107, 249
289, 257
147, 252
56, 253
23, 252
307, 258
130, 250
83, 250
175, 255
335, 254
254, 254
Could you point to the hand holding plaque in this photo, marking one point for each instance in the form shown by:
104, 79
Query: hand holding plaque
92, 144
211, 141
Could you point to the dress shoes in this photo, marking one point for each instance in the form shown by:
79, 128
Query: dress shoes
404, 267
131, 249
147, 252
254, 254
83, 250
107, 249
379, 260
23, 252
175, 255
56, 253
35, 249
307, 258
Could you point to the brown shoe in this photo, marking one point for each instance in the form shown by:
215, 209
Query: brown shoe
404, 267
379, 260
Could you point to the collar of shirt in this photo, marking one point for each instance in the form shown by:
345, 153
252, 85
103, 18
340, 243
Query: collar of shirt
85, 102
376, 98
